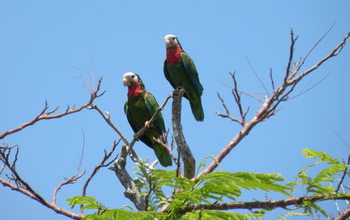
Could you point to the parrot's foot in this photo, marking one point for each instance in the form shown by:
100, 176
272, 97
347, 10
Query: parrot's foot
136, 137
147, 124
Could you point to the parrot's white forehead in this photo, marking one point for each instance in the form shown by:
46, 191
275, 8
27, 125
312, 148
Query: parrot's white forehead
129, 74
169, 37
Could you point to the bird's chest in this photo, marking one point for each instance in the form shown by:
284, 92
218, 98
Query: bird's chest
177, 74
138, 112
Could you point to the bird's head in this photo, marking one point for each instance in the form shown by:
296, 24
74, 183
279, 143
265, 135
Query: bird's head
171, 41
131, 78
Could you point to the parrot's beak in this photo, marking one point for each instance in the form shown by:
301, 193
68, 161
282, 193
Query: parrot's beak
126, 82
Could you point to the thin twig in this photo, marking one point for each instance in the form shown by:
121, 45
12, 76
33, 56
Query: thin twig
107, 118
100, 165
315, 45
333, 53
343, 175
228, 114
291, 55
257, 76
71, 180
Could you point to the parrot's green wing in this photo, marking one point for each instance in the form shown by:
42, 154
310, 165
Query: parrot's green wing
192, 72
152, 106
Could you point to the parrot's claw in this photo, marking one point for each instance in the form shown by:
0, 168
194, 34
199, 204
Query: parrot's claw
147, 124
136, 137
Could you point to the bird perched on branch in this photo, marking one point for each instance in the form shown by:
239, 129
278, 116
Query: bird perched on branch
139, 108
180, 71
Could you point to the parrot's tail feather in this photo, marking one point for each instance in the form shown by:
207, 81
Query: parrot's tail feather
163, 155
197, 110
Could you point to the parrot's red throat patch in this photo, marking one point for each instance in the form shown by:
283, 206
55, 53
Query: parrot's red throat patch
173, 54
134, 90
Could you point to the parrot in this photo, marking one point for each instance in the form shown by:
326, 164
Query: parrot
180, 71
139, 108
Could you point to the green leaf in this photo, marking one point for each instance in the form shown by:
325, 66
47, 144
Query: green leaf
326, 176
117, 214
213, 214
80, 200
324, 157
88, 202
229, 183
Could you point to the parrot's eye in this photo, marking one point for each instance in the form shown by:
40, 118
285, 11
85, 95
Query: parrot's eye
174, 38
132, 76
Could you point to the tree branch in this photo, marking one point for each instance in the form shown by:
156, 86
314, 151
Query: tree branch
46, 115
23, 187
343, 216
264, 205
67, 181
185, 152
102, 164
131, 191
270, 105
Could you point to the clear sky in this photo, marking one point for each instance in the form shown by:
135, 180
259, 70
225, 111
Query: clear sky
45, 46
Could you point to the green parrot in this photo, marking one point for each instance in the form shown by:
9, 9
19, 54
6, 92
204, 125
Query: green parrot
139, 108
180, 71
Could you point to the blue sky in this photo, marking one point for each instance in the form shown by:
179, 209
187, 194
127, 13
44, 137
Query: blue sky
46, 46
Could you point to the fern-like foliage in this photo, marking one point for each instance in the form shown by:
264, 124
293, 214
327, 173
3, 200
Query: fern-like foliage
323, 182
320, 183
220, 215
217, 187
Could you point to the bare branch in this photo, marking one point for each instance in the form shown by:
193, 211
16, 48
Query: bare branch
344, 216
99, 166
264, 205
270, 105
20, 185
52, 206
107, 118
272, 81
237, 96
67, 181
228, 114
183, 148
309, 88
291, 55
310, 51
46, 115
333, 53
343, 176
131, 191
